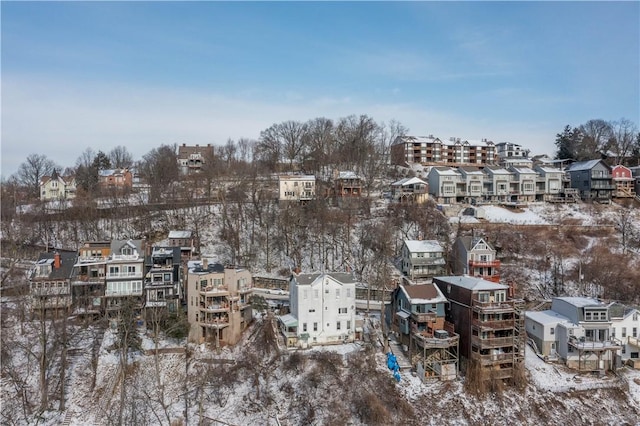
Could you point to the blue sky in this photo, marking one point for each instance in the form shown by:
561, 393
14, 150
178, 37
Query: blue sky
141, 74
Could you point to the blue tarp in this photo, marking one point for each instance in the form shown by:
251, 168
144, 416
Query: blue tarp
392, 363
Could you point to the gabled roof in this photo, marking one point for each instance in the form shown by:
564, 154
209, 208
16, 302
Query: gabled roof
117, 245
423, 294
67, 261
470, 242
423, 246
470, 170
409, 181
309, 279
472, 283
581, 302
547, 317
585, 165
497, 170
443, 170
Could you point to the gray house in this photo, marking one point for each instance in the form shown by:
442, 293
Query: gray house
593, 180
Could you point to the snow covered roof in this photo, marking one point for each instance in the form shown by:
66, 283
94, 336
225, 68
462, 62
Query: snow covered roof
441, 170
180, 234
523, 170
471, 170
549, 169
547, 317
583, 165
297, 177
423, 246
497, 170
308, 279
348, 175
472, 283
581, 302
409, 181
449, 142
288, 320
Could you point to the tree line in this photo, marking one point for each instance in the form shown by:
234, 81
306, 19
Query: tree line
598, 138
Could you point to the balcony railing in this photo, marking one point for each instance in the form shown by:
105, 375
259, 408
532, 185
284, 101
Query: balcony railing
423, 316
594, 345
633, 341
214, 307
491, 359
216, 323
215, 289
492, 342
484, 263
507, 306
433, 342
137, 274
494, 325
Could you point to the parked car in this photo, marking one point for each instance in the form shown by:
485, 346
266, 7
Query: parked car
277, 291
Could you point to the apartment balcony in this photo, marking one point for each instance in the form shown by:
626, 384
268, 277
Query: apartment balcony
116, 275
484, 264
51, 291
215, 323
215, 291
493, 325
493, 307
214, 307
426, 341
87, 280
423, 317
493, 359
492, 342
584, 345
155, 304
245, 290
495, 278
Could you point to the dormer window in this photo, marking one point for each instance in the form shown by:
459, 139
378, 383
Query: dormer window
126, 251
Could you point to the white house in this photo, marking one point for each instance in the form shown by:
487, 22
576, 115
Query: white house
422, 258
410, 190
297, 187
625, 327
580, 330
56, 187
322, 308
125, 273
445, 184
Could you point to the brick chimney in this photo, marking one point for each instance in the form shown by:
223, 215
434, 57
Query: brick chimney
56, 260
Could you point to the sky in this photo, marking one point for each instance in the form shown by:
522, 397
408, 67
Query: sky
78, 75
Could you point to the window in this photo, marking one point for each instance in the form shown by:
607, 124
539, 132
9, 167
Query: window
483, 297
304, 326
342, 310
634, 332
587, 316
348, 325
312, 310
613, 332
624, 331
337, 293
167, 277
552, 330
348, 292
315, 326
338, 325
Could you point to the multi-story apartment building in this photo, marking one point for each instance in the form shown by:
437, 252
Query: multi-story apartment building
579, 330
322, 309
89, 277
523, 184
422, 258
300, 188
163, 280
50, 283
430, 150
474, 256
125, 269
418, 319
507, 152
347, 184
490, 324
473, 179
218, 305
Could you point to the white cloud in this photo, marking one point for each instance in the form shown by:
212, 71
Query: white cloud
61, 119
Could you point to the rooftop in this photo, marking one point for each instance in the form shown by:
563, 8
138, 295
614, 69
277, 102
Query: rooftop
423, 246
472, 283
546, 317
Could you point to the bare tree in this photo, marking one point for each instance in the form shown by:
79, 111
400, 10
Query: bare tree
32, 171
596, 135
622, 139
120, 157
160, 167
